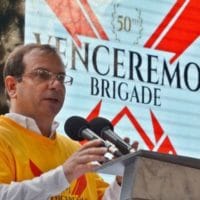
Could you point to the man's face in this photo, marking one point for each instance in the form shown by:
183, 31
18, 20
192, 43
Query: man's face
40, 98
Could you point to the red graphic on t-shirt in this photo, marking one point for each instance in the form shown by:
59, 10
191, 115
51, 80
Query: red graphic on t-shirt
80, 186
35, 170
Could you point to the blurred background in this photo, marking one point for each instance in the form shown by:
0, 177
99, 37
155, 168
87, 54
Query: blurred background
11, 35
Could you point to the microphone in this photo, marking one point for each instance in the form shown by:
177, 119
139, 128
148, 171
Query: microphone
77, 128
104, 129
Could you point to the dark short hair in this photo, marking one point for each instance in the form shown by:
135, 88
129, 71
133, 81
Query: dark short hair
14, 64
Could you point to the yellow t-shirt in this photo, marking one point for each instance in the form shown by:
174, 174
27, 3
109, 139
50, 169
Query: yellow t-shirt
25, 154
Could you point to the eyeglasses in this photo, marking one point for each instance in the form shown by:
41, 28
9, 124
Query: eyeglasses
41, 75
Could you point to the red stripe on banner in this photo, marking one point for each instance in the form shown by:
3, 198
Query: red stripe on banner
94, 19
164, 23
73, 19
162, 140
167, 147
182, 33
126, 112
95, 111
158, 130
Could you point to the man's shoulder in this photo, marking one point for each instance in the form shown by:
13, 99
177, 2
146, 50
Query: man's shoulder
5, 124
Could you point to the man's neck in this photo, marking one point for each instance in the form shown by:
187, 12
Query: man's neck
33, 124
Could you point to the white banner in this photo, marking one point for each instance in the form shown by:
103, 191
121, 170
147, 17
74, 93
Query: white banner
137, 63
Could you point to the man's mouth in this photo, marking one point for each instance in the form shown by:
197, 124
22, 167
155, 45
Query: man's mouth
54, 100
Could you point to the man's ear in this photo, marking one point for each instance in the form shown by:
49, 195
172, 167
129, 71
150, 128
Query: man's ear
10, 86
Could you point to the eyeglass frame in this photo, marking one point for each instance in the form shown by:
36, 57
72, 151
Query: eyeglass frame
35, 73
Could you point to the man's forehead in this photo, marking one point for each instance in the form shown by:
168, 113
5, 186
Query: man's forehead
35, 56
38, 52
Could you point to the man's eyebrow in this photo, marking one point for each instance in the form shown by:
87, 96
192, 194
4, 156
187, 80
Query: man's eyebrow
64, 73
44, 68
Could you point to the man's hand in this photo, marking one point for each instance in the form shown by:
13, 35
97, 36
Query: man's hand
82, 160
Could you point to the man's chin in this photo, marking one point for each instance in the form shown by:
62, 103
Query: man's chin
51, 110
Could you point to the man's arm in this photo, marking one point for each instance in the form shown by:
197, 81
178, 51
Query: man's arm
55, 181
40, 188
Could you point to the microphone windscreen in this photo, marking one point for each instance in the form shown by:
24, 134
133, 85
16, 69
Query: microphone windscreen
74, 126
99, 124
